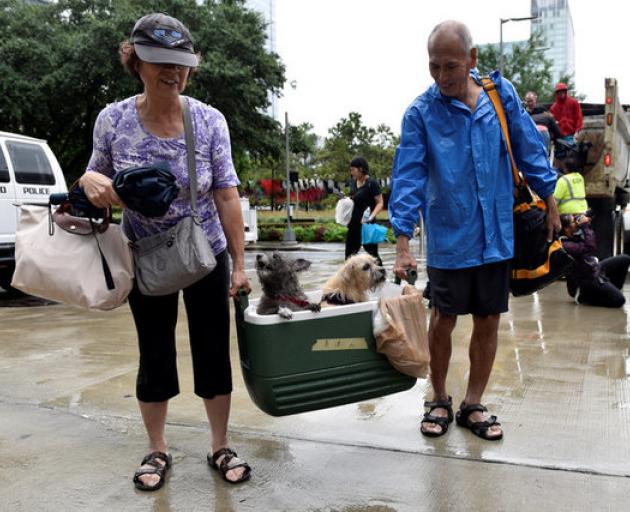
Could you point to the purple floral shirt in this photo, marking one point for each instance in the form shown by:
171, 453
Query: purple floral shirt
121, 141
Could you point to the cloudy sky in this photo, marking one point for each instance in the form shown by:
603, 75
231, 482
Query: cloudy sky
370, 56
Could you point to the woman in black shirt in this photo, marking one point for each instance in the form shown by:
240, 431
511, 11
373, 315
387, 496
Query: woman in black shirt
365, 192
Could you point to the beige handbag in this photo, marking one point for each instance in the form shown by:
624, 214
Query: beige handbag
72, 260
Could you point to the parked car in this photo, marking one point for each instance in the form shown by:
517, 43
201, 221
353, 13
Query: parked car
29, 173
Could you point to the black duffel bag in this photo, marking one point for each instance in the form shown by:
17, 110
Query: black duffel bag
537, 262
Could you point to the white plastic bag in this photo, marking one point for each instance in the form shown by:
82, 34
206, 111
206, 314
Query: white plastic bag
343, 211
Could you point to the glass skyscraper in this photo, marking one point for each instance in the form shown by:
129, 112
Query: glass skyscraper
556, 25
268, 10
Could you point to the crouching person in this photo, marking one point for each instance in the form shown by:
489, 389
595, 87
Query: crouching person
593, 282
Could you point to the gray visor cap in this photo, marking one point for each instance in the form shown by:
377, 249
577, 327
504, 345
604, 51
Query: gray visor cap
160, 55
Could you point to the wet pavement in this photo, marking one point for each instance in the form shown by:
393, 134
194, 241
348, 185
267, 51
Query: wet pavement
71, 435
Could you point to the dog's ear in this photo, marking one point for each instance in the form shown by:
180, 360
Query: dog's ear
300, 264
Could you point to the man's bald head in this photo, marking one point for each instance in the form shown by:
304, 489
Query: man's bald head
449, 30
451, 57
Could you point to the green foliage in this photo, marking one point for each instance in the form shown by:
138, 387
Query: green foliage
302, 142
328, 232
525, 66
349, 138
60, 67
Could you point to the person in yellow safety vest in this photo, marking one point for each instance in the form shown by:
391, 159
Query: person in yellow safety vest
570, 191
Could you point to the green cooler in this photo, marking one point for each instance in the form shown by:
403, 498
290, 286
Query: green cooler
314, 360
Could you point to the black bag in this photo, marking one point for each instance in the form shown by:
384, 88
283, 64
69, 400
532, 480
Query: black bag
148, 190
537, 262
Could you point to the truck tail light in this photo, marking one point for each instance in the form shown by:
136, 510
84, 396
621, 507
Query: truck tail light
609, 100
609, 119
607, 160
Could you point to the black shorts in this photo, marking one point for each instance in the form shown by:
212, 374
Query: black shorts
480, 291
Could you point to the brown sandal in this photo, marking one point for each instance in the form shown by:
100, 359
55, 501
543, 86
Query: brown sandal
229, 462
157, 468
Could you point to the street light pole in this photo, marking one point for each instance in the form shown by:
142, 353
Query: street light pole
501, 46
502, 21
289, 235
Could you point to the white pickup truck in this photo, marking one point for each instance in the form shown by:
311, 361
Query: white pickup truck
29, 173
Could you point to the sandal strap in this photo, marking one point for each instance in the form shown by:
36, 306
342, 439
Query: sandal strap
148, 471
226, 453
482, 427
151, 459
442, 421
229, 462
441, 404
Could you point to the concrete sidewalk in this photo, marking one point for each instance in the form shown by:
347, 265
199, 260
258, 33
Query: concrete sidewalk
71, 435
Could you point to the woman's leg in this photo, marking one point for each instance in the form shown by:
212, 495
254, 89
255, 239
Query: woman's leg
601, 293
155, 319
208, 310
616, 269
353, 239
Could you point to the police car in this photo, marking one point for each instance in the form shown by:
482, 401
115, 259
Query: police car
29, 173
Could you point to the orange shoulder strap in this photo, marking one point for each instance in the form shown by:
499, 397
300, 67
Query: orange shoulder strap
489, 87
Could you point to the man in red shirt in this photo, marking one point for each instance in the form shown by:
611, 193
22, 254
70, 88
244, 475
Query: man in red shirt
567, 111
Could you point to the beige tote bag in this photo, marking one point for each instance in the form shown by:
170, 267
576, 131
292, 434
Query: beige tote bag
403, 334
65, 259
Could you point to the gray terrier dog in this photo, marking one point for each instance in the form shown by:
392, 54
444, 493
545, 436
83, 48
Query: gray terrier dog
282, 293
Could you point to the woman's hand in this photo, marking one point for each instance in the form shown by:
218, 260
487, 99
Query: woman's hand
99, 190
239, 281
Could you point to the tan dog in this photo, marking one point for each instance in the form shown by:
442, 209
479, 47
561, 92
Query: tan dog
352, 281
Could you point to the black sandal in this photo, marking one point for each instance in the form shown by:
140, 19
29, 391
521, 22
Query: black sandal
157, 468
229, 462
479, 428
441, 421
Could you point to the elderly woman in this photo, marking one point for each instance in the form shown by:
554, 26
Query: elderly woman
142, 130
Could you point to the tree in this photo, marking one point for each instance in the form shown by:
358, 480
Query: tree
349, 138
302, 143
60, 68
525, 66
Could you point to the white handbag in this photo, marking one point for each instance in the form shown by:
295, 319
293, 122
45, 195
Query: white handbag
343, 211
72, 260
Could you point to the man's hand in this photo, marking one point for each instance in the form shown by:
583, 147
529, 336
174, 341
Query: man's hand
553, 217
404, 260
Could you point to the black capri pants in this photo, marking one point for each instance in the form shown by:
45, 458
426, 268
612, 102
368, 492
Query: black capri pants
208, 311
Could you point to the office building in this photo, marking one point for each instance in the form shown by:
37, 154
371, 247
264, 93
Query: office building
268, 10
555, 22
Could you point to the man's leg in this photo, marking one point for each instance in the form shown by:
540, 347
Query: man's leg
482, 350
440, 329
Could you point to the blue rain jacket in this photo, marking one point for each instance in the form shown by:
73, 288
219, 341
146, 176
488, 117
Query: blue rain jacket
453, 166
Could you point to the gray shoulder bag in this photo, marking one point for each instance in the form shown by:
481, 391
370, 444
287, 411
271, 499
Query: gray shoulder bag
180, 256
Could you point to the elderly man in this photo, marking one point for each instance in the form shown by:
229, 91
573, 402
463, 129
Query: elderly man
452, 165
